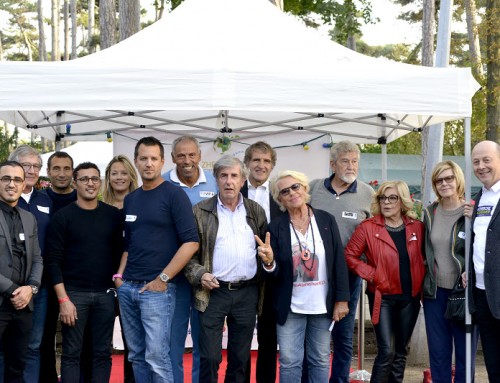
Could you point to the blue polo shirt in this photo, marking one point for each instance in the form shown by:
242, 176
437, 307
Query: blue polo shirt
204, 188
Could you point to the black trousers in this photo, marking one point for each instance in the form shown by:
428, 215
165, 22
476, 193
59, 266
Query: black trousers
393, 333
15, 330
48, 372
238, 308
489, 330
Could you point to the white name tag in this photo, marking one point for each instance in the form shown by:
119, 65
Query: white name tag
21, 236
349, 214
461, 234
130, 218
43, 209
206, 194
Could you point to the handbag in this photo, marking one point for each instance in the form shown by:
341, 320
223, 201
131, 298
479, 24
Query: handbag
455, 308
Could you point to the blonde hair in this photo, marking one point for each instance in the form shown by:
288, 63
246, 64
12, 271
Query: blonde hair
300, 177
108, 194
457, 172
404, 196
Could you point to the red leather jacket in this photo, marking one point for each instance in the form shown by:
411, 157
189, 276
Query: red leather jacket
381, 270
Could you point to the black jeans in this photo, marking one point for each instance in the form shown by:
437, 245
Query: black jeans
393, 333
240, 308
98, 310
15, 330
489, 330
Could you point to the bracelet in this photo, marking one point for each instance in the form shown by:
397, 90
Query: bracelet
62, 300
269, 264
117, 276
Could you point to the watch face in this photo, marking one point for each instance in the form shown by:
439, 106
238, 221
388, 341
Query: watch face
164, 277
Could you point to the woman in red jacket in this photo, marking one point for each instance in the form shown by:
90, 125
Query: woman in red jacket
394, 270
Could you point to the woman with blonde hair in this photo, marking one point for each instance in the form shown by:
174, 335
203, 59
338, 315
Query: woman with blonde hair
392, 242
120, 179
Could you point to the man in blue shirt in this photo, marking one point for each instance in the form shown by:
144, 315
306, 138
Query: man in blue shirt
198, 184
160, 238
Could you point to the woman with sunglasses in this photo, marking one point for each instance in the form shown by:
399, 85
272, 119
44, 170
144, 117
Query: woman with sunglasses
312, 285
444, 262
392, 242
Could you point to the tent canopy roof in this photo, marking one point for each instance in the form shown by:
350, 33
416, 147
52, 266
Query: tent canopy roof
240, 67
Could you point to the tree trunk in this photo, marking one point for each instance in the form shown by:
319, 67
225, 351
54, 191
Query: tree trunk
55, 31
91, 43
66, 30
279, 3
474, 48
428, 30
1, 46
42, 49
74, 28
130, 17
492, 19
107, 23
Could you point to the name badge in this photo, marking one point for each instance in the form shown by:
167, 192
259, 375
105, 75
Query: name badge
349, 214
21, 236
206, 194
130, 218
43, 209
484, 211
461, 234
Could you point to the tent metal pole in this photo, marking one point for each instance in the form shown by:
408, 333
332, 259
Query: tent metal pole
361, 375
468, 322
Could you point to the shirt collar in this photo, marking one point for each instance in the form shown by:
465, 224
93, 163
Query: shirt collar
220, 204
495, 188
353, 188
175, 178
7, 208
265, 185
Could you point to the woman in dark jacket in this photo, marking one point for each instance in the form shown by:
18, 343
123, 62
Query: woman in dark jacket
444, 262
312, 286
394, 269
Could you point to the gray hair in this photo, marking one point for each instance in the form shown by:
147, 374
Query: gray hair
300, 177
23, 151
228, 162
180, 139
345, 146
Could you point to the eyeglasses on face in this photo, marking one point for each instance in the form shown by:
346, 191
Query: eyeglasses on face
284, 192
86, 180
6, 180
393, 198
27, 166
447, 179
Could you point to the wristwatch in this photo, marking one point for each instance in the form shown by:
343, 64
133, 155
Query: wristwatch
164, 277
34, 289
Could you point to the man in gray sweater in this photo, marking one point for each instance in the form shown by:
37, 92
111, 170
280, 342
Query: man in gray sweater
348, 200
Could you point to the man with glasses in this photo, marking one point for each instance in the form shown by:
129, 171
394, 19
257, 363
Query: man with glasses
21, 269
61, 193
84, 246
348, 200
40, 205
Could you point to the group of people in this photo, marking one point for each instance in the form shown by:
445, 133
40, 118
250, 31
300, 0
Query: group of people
220, 249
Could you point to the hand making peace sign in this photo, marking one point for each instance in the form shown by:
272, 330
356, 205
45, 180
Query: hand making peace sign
264, 249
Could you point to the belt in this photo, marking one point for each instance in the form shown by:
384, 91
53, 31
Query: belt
232, 286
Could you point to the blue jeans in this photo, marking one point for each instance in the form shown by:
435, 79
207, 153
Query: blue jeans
97, 309
147, 319
311, 330
183, 312
342, 336
442, 336
32, 369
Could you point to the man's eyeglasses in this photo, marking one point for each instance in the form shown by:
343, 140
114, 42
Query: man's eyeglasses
86, 180
6, 180
27, 166
393, 198
284, 192
447, 179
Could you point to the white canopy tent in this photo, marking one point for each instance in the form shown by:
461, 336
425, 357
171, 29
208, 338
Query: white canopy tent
239, 69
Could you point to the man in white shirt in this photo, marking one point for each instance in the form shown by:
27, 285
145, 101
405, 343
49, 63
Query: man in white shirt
260, 159
225, 272
485, 265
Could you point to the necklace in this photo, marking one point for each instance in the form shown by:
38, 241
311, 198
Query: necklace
305, 254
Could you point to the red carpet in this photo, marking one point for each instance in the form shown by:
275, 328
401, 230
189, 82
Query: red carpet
117, 368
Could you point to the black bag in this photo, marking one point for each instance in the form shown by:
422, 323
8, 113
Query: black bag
455, 309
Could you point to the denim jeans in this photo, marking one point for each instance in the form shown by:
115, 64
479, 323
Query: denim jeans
98, 310
147, 319
311, 330
32, 369
184, 311
444, 335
